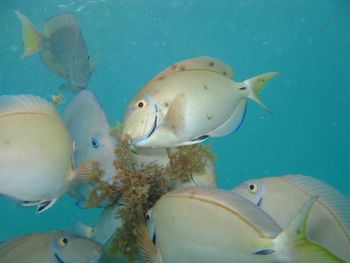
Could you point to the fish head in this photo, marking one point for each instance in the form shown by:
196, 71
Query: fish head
141, 120
72, 248
90, 129
78, 79
253, 190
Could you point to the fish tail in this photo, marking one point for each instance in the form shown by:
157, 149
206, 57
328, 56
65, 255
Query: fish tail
31, 36
255, 84
294, 238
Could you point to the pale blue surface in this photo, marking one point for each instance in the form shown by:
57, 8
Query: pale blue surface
308, 42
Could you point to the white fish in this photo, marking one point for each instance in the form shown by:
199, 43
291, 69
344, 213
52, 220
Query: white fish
208, 225
50, 247
89, 127
146, 155
189, 102
35, 152
282, 196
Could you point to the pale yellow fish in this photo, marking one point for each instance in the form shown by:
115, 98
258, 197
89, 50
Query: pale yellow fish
202, 224
35, 152
189, 102
146, 155
282, 196
50, 247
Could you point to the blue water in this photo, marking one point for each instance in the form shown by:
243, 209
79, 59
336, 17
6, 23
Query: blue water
308, 42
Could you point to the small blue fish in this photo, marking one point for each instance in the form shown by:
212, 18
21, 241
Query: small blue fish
62, 49
89, 127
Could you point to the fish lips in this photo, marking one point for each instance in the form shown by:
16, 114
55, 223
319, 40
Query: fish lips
141, 124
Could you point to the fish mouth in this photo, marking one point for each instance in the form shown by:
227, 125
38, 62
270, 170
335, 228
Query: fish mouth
259, 202
143, 139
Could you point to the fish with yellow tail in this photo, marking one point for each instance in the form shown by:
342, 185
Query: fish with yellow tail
36, 152
189, 102
224, 227
62, 49
281, 196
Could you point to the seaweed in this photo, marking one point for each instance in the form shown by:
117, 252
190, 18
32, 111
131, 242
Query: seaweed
143, 185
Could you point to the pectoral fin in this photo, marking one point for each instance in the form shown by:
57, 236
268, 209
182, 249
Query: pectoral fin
149, 251
87, 172
175, 117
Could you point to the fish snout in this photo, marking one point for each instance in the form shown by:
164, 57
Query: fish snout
140, 124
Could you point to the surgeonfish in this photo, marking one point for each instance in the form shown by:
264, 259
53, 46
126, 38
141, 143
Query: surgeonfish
105, 227
282, 196
50, 247
206, 224
189, 102
35, 152
62, 49
89, 127
147, 155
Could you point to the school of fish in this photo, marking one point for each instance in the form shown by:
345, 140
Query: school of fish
45, 155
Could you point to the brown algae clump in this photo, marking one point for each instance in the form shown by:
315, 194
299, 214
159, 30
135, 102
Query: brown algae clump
143, 185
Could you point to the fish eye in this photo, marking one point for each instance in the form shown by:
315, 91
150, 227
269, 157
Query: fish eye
141, 104
243, 88
94, 142
252, 188
63, 241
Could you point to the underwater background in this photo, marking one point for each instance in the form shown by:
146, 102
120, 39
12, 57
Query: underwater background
308, 42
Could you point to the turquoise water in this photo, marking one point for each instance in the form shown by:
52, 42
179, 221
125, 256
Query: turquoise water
308, 42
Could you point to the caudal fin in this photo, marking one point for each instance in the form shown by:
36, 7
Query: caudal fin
31, 36
255, 84
293, 240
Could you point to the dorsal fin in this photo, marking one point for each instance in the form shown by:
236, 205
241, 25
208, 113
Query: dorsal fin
25, 103
198, 63
59, 21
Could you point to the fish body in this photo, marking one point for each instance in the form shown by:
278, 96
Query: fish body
224, 227
35, 151
106, 225
62, 49
185, 105
50, 247
281, 197
90, 130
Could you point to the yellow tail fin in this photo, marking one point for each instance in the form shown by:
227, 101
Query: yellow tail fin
255, 84
31, 36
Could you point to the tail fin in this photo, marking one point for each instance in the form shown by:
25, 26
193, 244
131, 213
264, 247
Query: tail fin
31, 36
255, 84
294, 239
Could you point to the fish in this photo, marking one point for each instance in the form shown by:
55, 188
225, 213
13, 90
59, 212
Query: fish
50, 247
281, 197
105, 227
36, 152
224, 227
88, 125
57, 99
62, 49
190, 102
147, 155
